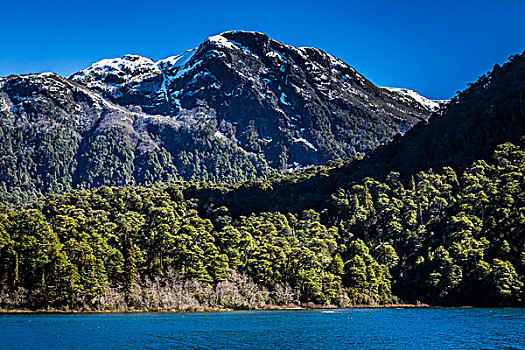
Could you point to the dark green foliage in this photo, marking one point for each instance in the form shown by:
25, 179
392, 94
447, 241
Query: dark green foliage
490, 112
443, 239
447, 240
325, 235
68, 251
56, 136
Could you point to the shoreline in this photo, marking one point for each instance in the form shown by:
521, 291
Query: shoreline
267, 308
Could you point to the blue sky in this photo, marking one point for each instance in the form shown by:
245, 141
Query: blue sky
433, 47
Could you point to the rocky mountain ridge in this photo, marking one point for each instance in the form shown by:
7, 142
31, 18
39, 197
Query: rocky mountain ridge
270, 97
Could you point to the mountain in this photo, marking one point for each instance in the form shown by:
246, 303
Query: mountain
238, 107
294, 105
410, 96
491, 111
57, 135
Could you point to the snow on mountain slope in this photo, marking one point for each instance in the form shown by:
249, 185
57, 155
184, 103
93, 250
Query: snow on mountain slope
172, 62
130, 80
110, 73
408, 96
67, 136
311, 105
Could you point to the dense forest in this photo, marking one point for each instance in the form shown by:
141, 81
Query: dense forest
442, 239
329, 235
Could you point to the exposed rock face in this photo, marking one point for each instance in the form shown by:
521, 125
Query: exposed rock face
295, 105
238, 107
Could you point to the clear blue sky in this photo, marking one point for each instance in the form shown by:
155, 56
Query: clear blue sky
434, 47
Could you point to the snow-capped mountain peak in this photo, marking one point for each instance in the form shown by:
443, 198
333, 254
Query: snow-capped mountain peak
120, 70
270, 97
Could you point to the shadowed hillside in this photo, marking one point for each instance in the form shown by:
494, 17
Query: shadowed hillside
490, 112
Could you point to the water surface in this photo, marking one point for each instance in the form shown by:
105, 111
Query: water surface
384, 328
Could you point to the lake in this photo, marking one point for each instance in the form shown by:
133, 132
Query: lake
381, 328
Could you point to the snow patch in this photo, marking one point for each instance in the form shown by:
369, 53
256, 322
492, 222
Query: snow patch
177, 61
411, 94
306, 142
221, 41
273, 54
220, 135
129, 67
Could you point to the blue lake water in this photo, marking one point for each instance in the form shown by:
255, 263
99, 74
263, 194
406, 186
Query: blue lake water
443, 328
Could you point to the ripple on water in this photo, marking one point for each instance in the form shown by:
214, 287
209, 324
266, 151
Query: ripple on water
380, 328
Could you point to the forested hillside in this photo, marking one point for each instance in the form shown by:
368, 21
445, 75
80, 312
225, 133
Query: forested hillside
447, 239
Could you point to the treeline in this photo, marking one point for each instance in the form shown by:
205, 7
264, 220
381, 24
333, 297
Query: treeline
442, 239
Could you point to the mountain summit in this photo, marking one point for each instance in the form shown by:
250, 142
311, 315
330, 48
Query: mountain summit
240, 106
